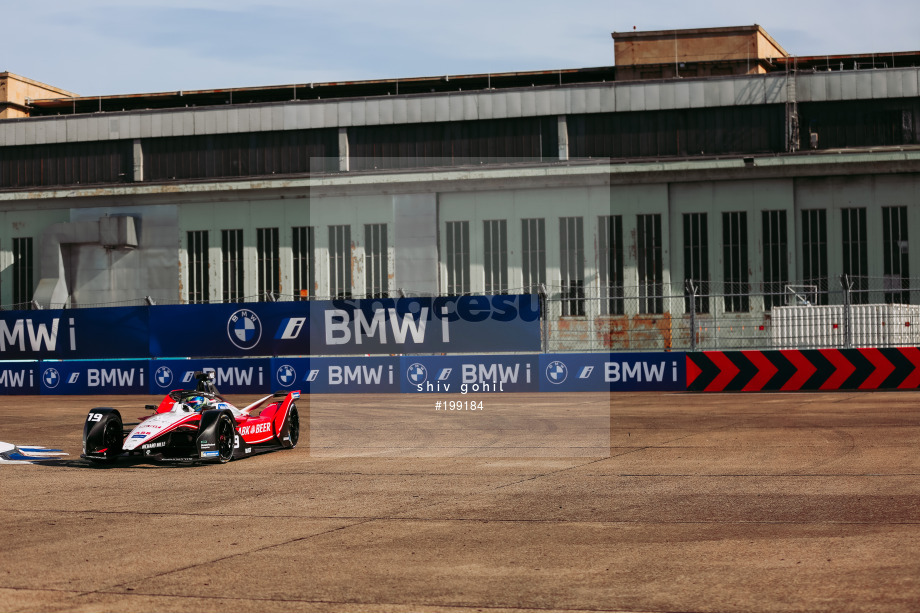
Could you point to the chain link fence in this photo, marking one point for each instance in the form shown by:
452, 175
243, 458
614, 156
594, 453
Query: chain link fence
700, 315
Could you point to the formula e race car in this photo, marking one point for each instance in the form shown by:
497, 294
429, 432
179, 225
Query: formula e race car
194, 425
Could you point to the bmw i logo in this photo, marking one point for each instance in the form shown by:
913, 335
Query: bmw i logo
286, 375
556, 372
417, 373
244, 329
51, 377
163, 376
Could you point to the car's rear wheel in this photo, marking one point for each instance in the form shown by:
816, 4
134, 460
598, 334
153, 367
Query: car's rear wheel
226, 437
293, 428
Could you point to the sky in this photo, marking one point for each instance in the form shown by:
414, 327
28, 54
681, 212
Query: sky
111, 47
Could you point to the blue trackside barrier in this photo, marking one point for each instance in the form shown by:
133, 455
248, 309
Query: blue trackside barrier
407, 374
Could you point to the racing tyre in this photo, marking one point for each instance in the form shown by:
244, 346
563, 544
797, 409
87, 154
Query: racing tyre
293, 428
111, 437
226, 438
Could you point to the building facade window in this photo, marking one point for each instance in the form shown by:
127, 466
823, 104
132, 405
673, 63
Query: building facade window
649, 260
268, 261
533, 254
696, 261
895, 261
340, 261
23, 272
376, 268
458, 257
572, 265
610, 261
856, 253
735, 261
814, 254
304, 263
775, 258
198, 289
495, 256
231, 248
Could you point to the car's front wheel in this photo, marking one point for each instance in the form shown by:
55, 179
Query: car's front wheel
226, 437
293, 428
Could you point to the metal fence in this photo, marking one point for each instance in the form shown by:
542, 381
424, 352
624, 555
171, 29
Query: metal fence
699, 315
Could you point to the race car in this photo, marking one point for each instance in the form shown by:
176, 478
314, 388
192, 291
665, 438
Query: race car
194, 425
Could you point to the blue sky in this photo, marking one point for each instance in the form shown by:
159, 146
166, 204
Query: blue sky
103, 47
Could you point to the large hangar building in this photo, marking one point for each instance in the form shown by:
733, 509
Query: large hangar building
674, 199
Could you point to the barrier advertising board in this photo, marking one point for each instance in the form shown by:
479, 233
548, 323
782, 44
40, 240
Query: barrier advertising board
231, 375
504, 323
615, 372
20, 377
94, 376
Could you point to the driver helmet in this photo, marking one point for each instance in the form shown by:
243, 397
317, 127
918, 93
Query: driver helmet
196, 403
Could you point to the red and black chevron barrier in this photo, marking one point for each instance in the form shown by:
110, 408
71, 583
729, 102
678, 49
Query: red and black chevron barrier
827, 369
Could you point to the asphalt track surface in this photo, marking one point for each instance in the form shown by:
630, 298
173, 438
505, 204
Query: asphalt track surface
727, 502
